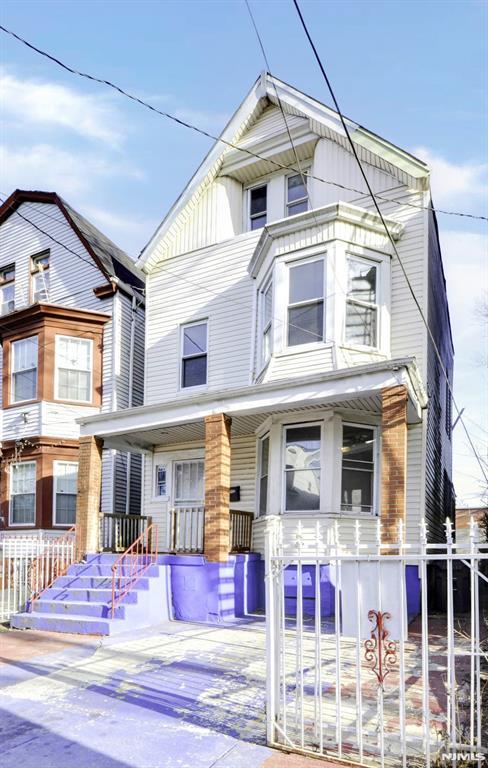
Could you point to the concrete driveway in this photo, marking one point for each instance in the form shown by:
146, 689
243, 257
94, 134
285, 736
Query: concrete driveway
179, 696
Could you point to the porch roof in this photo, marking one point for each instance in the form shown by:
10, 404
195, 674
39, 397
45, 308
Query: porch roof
182, 418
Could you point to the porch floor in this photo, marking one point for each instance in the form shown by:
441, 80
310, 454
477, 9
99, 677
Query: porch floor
181, 694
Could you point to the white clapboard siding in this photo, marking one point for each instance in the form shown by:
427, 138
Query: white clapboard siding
243, 471
59, 419
212, 283
270, 123
346, 527
299, 364
21, 421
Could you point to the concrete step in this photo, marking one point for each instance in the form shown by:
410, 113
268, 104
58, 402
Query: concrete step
79, 608
84, 595
80, 625
104, 569
97, 582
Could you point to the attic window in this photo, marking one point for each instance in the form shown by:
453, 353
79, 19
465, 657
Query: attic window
40, 277
258, 206
296, 194
7, 289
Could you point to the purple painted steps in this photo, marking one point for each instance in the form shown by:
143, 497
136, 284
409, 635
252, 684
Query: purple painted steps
80, 601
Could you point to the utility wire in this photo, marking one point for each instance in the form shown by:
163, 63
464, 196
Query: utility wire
219, 139
378, 210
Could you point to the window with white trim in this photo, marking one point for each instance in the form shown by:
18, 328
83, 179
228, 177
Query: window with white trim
266, 320
189, 483
296, 194
40, 277
74, 365
7, 289
361, 303
258, 206
24, 369
194, 354
263, 475
161, 480
306, 300
65, 478
23, 493
302, 467
358, 469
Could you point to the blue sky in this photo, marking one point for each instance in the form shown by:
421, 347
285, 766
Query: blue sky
414, 72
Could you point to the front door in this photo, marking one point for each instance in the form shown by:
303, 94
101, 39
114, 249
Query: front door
188, 505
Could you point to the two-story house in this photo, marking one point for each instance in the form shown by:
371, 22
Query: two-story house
288, 370
72, 340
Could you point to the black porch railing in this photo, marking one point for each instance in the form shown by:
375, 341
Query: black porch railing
120, 531
240, 531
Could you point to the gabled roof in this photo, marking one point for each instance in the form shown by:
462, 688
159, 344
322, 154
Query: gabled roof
112, 261
323, 120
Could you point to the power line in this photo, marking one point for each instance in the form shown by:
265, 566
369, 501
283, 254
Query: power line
219, 139
392, 242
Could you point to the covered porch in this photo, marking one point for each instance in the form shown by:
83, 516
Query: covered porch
218, 464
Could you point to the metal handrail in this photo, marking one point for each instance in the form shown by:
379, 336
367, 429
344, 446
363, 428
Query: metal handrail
137, 558
65, 556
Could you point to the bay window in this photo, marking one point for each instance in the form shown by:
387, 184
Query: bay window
23, 493
361, 303
194, 354
258, 206
24, 369
266, 320
302, 468
296, 194
306, 299
7, 289
65, 479
74, 356
263, 475
358, 469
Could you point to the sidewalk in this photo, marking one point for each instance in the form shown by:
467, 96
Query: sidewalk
180, 696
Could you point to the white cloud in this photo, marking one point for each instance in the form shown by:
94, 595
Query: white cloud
37, 102
452, 183
42, 166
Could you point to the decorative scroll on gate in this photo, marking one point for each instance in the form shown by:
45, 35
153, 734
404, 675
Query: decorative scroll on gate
380, 652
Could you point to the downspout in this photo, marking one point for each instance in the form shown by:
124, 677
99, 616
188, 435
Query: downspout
131, 384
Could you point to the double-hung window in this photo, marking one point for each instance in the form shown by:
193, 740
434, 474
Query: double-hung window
161, 484
24, 369
194, 356
40, 277
296, 194
258, 206
361, 303
74, 361
302, 468
358, 463
263, 474
306, 299
266, 320
65, 475
23, 493
7, 289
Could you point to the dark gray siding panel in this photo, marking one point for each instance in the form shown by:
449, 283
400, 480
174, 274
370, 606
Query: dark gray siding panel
439, 498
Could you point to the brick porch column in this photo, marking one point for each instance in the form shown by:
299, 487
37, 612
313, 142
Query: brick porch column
393, 461
88, 499
217, 487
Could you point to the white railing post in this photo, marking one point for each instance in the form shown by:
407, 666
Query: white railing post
425, 642
272, 584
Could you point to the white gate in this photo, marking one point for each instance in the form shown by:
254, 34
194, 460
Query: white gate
28, 565
359, 666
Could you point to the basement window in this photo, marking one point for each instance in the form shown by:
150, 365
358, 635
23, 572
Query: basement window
358, 469
194, 357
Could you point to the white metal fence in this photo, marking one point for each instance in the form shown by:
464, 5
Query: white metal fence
360, 666
29, 564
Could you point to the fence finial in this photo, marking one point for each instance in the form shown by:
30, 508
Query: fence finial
448, 526
423, 531
357, 535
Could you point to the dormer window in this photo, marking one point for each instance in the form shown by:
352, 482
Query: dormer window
40, 277
296, 194
361, 303
258, 206
306, 298
7, 289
